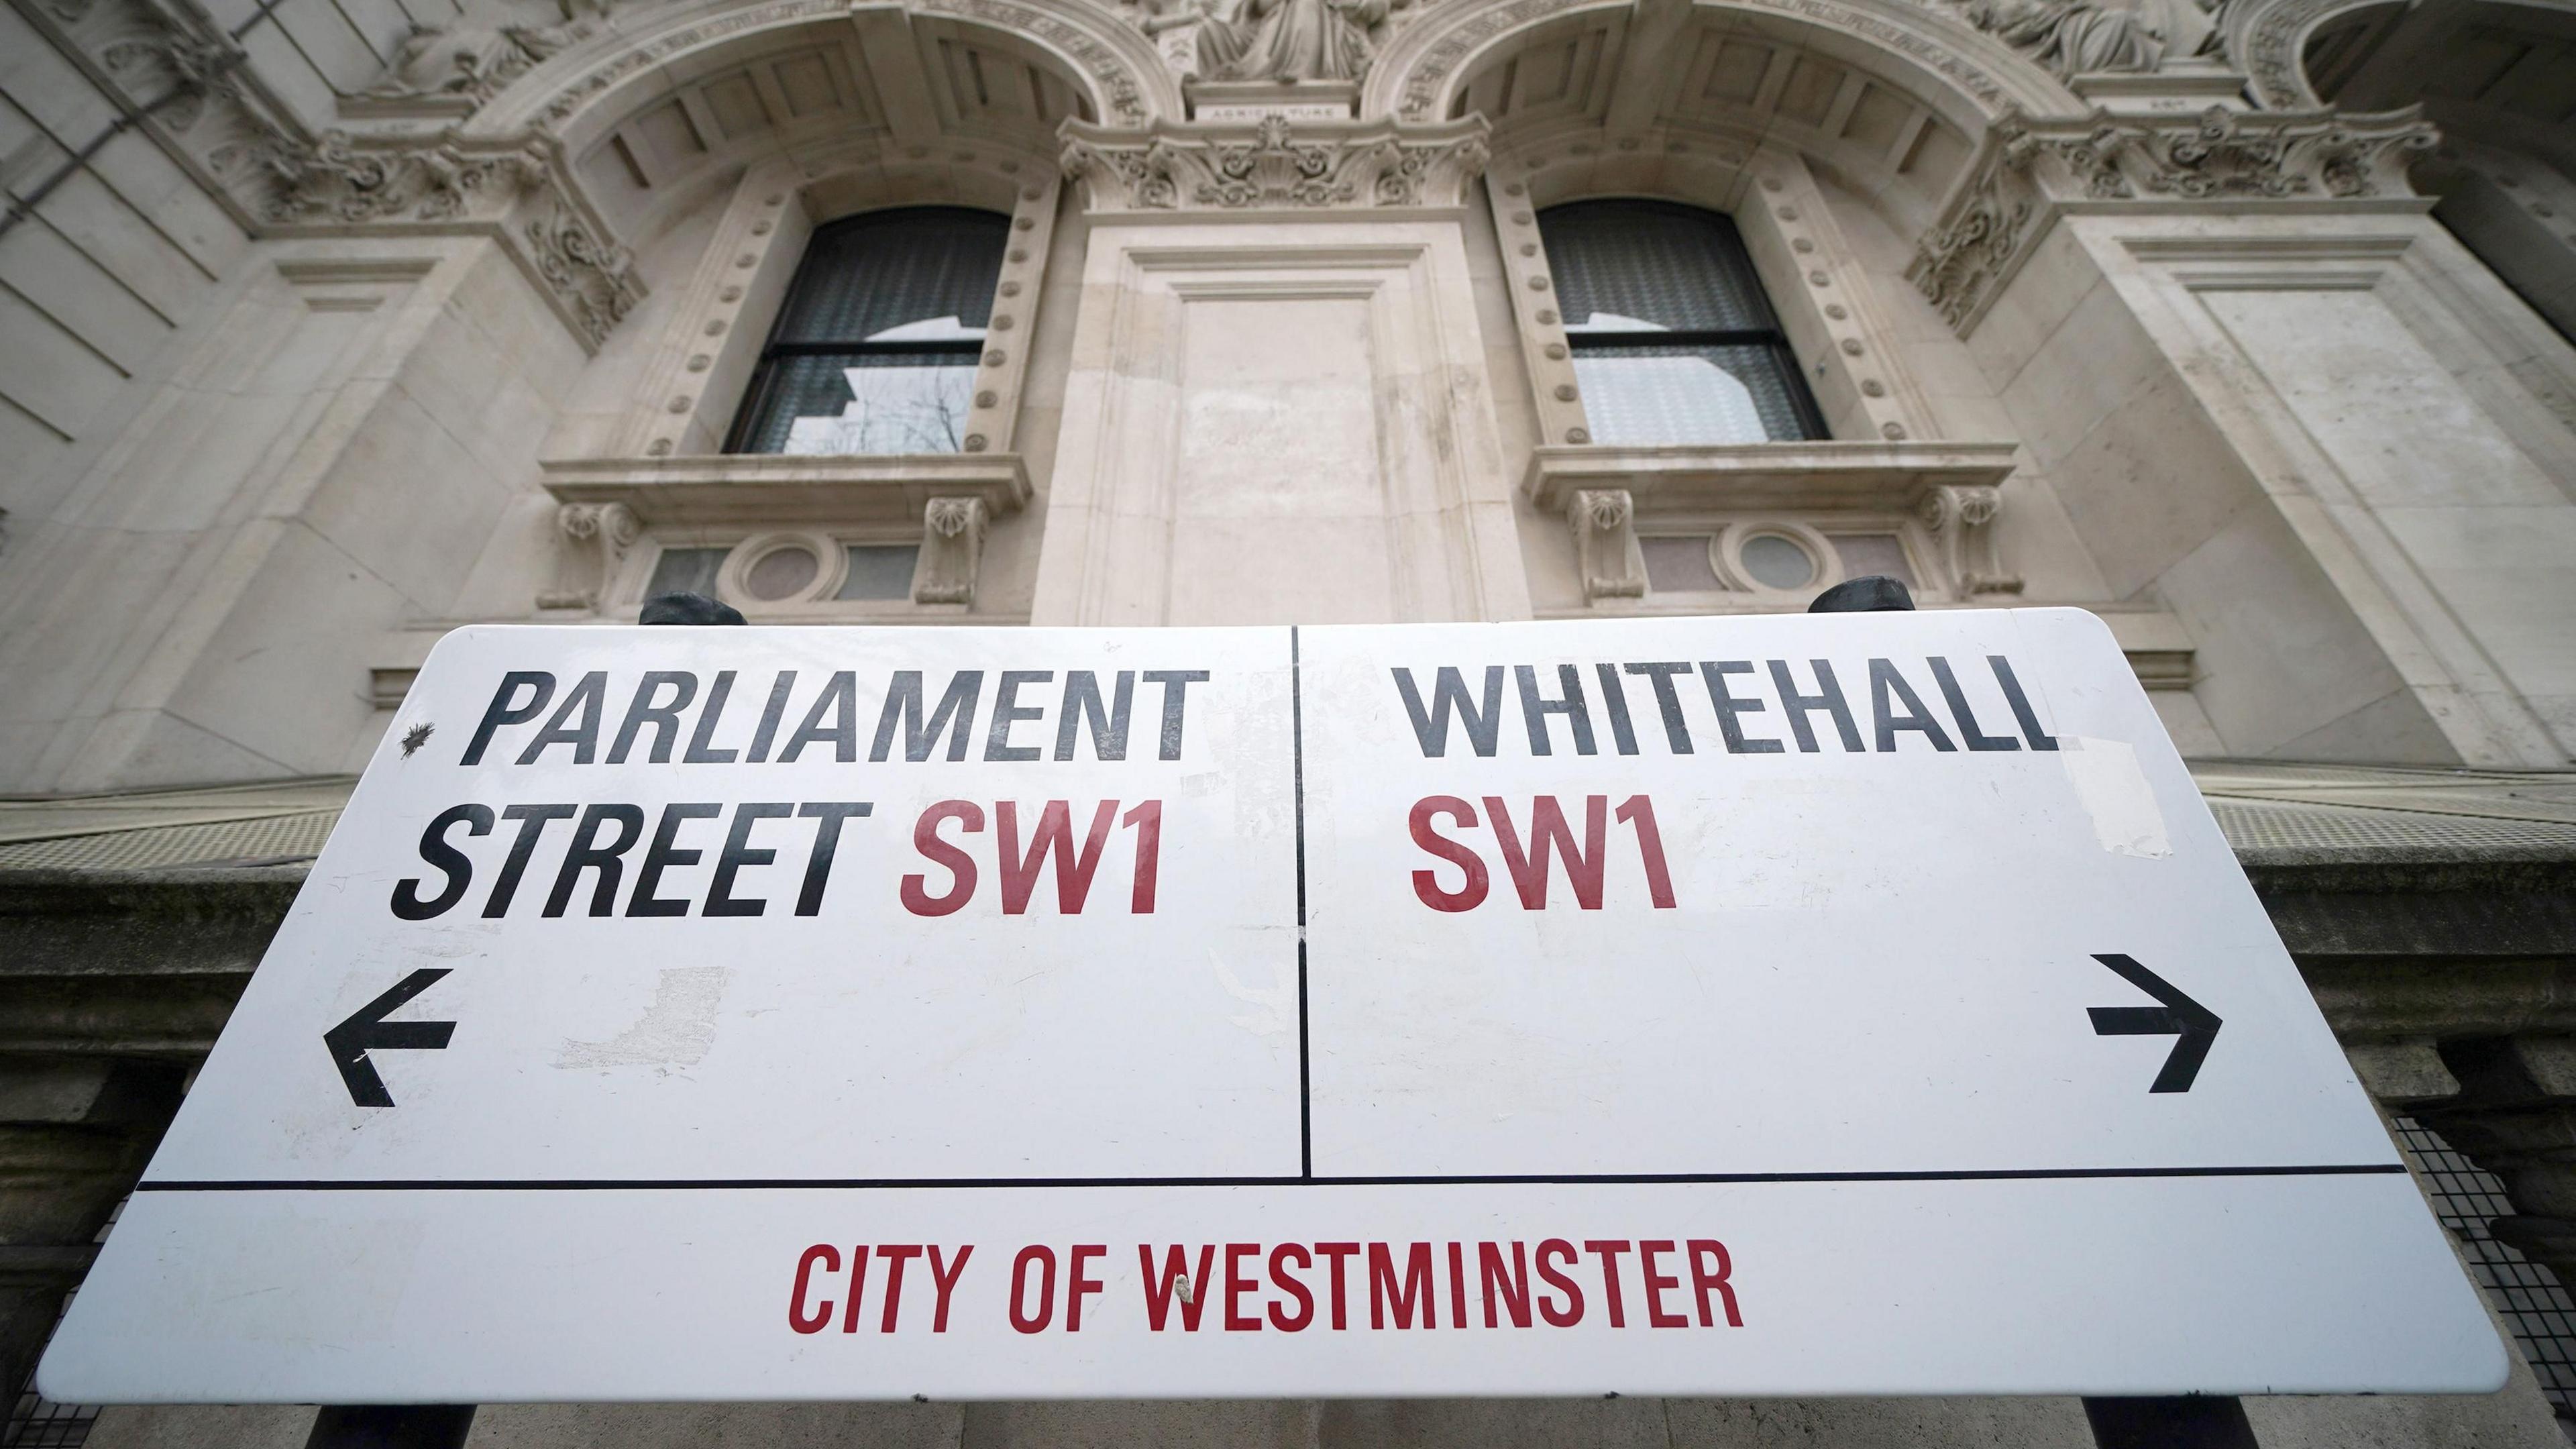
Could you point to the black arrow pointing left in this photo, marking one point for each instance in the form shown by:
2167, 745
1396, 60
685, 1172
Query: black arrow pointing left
367, 1030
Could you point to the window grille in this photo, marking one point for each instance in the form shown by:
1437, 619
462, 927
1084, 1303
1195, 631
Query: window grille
876, 347
2535, 1307
1673, 340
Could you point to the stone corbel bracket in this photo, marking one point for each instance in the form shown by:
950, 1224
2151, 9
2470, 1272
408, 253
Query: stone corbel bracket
1274, 165
952, 550
1961, 520
2224, 160
1605, 544
596, 537
516, 190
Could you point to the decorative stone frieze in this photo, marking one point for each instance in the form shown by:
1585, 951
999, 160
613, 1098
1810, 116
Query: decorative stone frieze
952, 550
1605, 544
596, 537
2034, 167
1961, 520
1275, 164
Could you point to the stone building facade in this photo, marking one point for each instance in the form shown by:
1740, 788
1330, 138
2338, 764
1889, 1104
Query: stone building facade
327, 325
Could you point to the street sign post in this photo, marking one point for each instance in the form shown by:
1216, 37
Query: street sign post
1857, 1004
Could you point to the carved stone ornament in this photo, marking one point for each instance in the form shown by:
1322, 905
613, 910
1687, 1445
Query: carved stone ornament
470, 62
1290, 40
1961, 518
595, 538
1605, 543
2078, 37
510, 186
2106, 161
1275, 164
335, 179
952, 551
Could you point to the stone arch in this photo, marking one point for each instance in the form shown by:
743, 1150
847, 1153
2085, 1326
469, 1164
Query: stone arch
1114, 69
1962, 72
2267, 38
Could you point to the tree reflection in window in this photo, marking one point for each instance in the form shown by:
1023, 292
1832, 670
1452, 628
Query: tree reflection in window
876, 347
1673, 340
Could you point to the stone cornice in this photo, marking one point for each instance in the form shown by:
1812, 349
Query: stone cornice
1274, 165
2224, 159
516, 190
189, 88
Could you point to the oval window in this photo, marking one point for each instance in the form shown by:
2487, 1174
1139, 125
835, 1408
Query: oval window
1778, 563
781, 573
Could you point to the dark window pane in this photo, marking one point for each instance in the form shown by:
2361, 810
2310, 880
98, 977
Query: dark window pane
686, 571
1678, 565
1670, 267
870, 273
1649, 395
880, 571
854, 402
876, 347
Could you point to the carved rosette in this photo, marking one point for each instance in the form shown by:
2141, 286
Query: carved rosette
1605, 544
2105, 161
1274, 164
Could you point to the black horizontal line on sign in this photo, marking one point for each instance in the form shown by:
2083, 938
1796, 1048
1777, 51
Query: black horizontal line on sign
704, 1184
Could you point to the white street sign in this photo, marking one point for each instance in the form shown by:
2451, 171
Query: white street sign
1857, 1004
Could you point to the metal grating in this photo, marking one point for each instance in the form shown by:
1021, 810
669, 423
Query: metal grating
268, 840
37, 1422
2526, 1295
2262, 825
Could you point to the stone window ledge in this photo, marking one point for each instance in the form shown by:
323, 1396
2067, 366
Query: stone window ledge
1891, 477
778, 490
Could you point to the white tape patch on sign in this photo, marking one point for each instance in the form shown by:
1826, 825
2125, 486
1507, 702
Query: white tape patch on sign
1859, 1004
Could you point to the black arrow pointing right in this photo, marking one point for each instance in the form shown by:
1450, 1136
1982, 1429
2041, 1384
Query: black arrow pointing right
366, 1029
2180, 1016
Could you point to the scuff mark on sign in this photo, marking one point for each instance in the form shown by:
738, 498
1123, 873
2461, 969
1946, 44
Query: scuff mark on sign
675, 1031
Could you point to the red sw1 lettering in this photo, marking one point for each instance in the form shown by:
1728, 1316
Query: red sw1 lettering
1052, 836
1550, 837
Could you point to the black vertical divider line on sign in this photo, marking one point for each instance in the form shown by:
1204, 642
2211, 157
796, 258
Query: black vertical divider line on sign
1297, 754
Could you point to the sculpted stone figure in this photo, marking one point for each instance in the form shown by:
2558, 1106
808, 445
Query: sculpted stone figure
2072, 37
474, 61
1290, 40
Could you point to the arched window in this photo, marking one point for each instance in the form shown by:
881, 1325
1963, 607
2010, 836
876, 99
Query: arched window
875, 349
1673, 340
